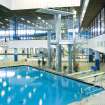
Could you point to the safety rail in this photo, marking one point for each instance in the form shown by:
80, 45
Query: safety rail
81, 72
93, 75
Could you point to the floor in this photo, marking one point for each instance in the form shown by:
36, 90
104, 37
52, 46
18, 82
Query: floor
98, 99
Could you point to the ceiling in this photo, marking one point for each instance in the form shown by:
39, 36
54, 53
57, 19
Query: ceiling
30, 14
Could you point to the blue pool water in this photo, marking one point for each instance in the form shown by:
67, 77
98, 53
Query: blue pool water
26, 85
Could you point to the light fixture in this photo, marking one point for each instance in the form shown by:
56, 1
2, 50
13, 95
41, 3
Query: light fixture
1, 23
33, 23
46, 23
22, 19
28, 21
43, 21
39, 18
6, 19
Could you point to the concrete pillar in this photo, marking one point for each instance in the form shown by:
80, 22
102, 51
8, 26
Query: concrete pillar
35, 51
15, 54
70, 58
90, 55
58, 37
14, 23
49, 49
58, 58
97, 60
27, 52
30, 52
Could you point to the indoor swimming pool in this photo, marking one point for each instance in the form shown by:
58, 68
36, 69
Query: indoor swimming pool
25, 85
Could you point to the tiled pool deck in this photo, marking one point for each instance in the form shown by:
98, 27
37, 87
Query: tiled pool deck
97, 99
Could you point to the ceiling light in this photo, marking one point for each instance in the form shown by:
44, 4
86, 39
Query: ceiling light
28, 21
33, 23
43, 21
39, 18
1, 23
6, 19
22, 19
46, 23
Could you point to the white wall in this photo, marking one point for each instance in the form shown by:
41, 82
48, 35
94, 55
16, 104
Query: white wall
29, 4
6, 3
27, 44
97, 43
32, 4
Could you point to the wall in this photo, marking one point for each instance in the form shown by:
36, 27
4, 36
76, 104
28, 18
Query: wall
27, 44
30, 4
97, 43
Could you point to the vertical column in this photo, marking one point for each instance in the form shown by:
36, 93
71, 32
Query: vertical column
30, 52
97, 60
58, 58
49, 49
90, 55
27, 52
35, 52
69, 38
58, 37
69, 58
15, 38
15, 54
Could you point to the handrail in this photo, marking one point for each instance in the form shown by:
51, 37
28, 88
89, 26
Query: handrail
93, 75
81, 72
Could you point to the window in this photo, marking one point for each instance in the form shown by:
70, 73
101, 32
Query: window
96, 26
102, 21
99, 24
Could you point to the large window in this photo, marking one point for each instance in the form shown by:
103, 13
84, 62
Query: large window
96, 26
102, 21
91, 30
99, 24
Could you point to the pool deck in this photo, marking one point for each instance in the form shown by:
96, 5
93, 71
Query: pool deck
97, 99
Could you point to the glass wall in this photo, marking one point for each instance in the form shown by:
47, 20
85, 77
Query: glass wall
97, 26
102, 21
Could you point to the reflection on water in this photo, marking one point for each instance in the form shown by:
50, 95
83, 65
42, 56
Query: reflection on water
28, 86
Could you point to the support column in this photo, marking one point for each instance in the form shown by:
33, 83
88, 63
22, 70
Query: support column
15, 54
27, 52
49, 49
90, 55
58, 58
58, 37
35, 52
69, 58
15, 38
97, 60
